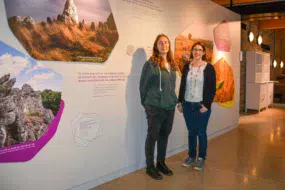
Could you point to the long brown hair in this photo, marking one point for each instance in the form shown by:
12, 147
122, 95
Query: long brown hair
158, 60
203, 47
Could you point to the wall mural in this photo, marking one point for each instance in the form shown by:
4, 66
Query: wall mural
225, 78
225, 93
225, 84
185, 40
64, 30
30, 105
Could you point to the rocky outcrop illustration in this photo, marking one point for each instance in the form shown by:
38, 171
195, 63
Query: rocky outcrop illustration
23, 117
62, 37
26, 21
225, 83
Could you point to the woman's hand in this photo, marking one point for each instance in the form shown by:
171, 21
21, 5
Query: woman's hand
179, 107
203, 109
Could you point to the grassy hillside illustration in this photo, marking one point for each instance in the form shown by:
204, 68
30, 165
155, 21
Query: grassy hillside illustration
183, 46
65, 38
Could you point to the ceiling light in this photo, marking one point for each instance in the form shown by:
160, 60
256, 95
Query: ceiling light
281, 64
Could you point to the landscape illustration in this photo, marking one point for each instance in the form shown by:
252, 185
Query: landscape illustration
183, 45
30, 97
64, 30
199, 32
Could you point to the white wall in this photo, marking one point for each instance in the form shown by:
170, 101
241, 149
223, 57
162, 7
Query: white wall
62, 164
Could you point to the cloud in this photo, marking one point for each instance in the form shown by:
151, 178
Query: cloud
38, 77
27, 70
89, 10
57, 2
93, 10
51, 85
37, 66
38, 9
12, 64
44, 81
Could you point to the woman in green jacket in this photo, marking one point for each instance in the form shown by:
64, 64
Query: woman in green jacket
157, 85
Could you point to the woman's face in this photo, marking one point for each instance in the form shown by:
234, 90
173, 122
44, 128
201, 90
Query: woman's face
163, 45
198, 52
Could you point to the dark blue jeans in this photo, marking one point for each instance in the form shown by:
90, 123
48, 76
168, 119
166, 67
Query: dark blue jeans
196, 123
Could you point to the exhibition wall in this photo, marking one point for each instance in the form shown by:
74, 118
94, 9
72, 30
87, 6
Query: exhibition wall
81, 62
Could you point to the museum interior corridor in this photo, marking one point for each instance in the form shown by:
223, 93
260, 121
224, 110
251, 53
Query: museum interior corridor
251, 157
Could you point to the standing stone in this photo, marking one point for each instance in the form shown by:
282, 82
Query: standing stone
70, 10
111, 22
80, 26
49, 21
92, 26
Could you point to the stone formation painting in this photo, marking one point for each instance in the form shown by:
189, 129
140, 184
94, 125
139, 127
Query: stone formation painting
64, 30
225, 85
200, 32
184, 42
30, 104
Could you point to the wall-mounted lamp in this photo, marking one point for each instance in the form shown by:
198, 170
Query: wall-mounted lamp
250, 37
250, 34
281, 63
274, 61
259, 38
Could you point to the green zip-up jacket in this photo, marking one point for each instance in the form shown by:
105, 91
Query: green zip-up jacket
157, 87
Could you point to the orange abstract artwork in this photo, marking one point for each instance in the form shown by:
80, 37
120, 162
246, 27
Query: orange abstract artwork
225, 84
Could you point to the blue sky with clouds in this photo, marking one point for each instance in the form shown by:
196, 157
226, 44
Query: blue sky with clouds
89, 10
27, 70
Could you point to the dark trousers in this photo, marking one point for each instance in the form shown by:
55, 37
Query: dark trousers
196, 123
159, 127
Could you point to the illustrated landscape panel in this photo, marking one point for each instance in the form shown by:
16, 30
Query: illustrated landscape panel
30, 104
64, 30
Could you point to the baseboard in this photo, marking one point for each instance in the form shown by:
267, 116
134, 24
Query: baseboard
221, 132
279, 105
124, 171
